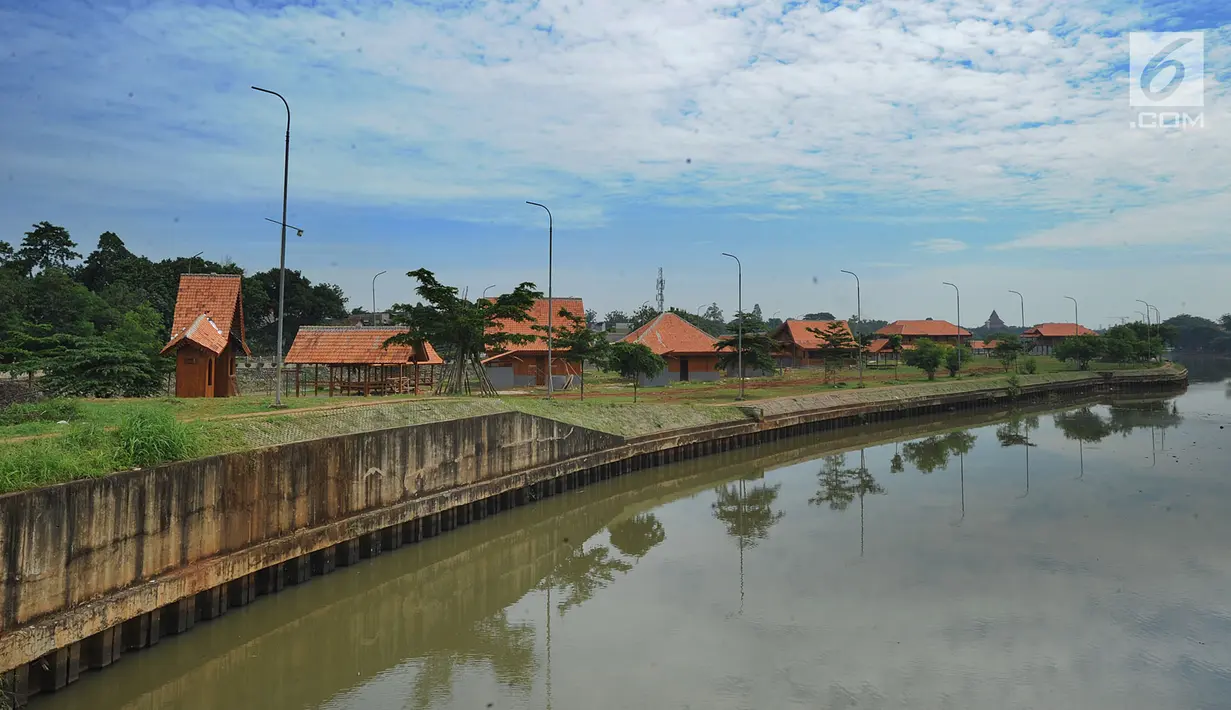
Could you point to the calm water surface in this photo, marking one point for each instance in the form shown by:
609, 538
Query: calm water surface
1074, 558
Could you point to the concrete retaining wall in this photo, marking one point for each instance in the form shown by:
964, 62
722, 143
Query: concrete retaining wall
93, 568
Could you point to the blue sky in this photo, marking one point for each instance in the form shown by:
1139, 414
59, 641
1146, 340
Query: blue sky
913, 142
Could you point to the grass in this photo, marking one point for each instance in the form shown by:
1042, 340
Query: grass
102, 436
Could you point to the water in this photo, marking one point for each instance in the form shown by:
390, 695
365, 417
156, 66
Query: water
1057, 559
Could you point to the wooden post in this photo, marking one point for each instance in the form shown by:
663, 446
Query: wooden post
298, 378
416, 377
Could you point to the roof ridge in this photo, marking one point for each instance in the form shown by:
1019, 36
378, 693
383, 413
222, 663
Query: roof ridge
215, 276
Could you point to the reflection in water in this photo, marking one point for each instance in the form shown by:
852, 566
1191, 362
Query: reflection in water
507, 648
582, 573
932, 453
638, 535
840, 485
747, 515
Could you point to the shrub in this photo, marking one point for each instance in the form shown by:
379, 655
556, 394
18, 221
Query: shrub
1030, 366
152, 437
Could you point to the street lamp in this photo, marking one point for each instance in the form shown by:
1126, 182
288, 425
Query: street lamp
1147, 315
374, 296
1021, 298
739, 343
1076, 326
191, 258
286, 171
699, 309
959, 323
858, 319
550, 227
487, 289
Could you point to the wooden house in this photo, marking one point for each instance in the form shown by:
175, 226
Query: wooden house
207, 333
525, 364
356, 361
940, 331
800, 346
1044, 337
688, 350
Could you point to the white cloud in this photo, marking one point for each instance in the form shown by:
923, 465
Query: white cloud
941, 245
1194, 221
1008, 105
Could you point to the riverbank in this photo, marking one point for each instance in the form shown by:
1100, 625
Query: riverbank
99, 567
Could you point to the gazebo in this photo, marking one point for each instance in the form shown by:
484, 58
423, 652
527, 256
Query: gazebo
357, 362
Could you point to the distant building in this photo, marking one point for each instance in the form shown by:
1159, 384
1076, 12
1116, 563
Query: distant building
522, 365
206, 333
994, 323
357, 361
940, 331
801, 347
1044, 337
688, 350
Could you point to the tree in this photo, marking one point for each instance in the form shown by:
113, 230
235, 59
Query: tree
47, 246
1225, 321
932, 453
1008, 349
577, 343
98, 367
107, 264
821, 315
615, 317
747, 513
637, 535
956, 357
714, 328
713, 313
582, 573
895, 346
759, 348
642, 315
1080, 349
634, 361
305, 304
756, 312
591, 316
836, 346
928, 356
7, 255
461, 330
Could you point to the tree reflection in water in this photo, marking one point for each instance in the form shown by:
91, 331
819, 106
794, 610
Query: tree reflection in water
638, 535
508, 648
747, 514
581, 574
840, 485
928, 455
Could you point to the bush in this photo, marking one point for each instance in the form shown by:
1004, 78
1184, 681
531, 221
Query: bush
51, 410
1030, 366
149, 438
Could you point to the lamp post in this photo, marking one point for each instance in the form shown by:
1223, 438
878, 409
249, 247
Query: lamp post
739, 307
1076, 325
374, 296
858, 319
959, 323
286, 171
1147, 315
485, 290
699, 309
1021, 298
191, 258
550, 227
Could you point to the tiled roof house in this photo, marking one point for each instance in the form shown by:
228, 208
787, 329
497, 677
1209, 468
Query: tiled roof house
526, 364
801, 346
207, 331
688, 350
1042, 338
358, 362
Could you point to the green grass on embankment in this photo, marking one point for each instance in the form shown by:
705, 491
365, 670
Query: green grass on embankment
103, 436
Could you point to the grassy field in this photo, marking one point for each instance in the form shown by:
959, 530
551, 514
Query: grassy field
102, 436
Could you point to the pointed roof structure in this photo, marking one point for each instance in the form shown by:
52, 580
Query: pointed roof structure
799, 333
669, 334
928, 328
538, 316
209, 312
994, 321
1057, 330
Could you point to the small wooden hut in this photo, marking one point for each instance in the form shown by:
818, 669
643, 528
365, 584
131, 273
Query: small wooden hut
207, 330
356, 361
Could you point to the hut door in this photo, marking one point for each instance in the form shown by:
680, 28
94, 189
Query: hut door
683, 369
210, 366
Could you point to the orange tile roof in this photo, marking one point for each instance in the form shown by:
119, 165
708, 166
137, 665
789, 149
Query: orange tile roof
1057, 330
219, 297
977, 345
881, 345
669, 334
538, 316
354, 345
797, 332
923, 329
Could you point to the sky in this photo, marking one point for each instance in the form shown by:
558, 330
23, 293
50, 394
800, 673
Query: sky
982, 142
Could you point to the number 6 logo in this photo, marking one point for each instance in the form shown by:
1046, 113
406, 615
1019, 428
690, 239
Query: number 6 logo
1176, 58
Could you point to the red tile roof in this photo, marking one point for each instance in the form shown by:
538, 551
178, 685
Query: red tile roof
1057, 330
538, 316
669, 334
218, 297
977, 345
881, 345
354, 345
923, 329
796, 331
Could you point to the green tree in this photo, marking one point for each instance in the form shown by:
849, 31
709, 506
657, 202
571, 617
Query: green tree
634, 361
895, 347
747, 513
933, 453
928, 355
591, 316
756, 312
46, 246
54, 299
642, 315
615, 317
1008, 349
713, 313
839, 485
97, 367
957, 357
109, 263
305, 304
758, 350
577, 343
1083, 425
637, 535
837, 346
7, 256
1225, 321
820, 315
461, 330
1080, 349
